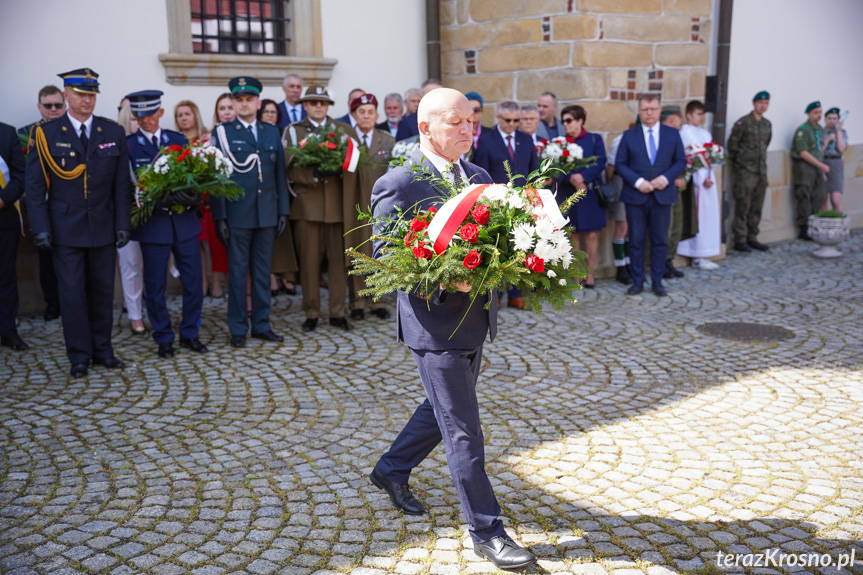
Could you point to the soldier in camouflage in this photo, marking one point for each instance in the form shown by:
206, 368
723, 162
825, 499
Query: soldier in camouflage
747, 157
809, 170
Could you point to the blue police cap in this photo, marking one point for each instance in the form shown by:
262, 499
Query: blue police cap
145, 103
82, 80
245, 85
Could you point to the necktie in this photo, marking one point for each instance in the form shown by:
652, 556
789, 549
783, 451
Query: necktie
456, 175
366, 140
84, 139
651, 146
252, 132
293, 114
155, 141
510, 148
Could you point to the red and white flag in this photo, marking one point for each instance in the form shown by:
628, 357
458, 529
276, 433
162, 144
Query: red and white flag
352, 157
450, 216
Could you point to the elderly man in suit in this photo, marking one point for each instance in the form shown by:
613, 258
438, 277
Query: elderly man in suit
394, 111
292, 110
649, 158
549, 124
448, 367
504, 143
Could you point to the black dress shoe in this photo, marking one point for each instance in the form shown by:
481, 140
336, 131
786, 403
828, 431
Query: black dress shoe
14, 341
804, 233
669, 267
742, 247
310, 324
51, 312
78, 370
400, 494
623, 276
381, 313
589, 286
238, 341
756, 245
358, 314
504, 553
340, 322
166, 350
267, 336
109, 362
659, 290
194, 344
635, 289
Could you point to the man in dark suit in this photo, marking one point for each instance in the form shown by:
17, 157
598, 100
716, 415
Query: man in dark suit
12, 168
167, 232
448, 367
394, 112
292, 110
348, 118
549, 124
649, 158
408, 126
78, 196
504, 144
249, 226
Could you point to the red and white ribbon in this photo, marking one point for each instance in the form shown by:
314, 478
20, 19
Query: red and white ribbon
450, 216
352, 157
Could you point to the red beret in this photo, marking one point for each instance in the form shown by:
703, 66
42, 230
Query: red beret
364, 99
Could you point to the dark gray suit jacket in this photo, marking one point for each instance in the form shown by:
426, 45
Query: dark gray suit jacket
428, 324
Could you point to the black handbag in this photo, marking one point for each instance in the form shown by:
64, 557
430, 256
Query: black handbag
606, 193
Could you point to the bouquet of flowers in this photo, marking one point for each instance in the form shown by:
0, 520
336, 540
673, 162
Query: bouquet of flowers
565, 155
329, 151
703, 156
484, 235
179, 176
403, 150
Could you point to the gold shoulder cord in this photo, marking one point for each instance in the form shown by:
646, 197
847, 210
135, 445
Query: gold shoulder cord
45, 157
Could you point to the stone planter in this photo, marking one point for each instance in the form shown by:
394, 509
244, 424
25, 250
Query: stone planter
828, 233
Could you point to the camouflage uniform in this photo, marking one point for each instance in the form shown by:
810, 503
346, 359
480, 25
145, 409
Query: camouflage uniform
808, 180
747, 157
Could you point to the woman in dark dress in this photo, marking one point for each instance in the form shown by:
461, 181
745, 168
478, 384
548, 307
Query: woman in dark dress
587, 216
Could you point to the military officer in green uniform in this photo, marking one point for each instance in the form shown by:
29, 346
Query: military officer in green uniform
810, 171
746, 154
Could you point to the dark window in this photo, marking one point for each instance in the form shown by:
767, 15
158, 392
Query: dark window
240, 26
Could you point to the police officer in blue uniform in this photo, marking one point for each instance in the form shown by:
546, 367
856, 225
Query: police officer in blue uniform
167, 232
78, 194
248, 227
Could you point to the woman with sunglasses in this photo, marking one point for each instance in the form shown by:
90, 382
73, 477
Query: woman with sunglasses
587, 216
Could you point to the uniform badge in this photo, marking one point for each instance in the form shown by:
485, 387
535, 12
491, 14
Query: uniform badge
63, 145
72, 154
800, 133
63, 128
98, 128
141, 140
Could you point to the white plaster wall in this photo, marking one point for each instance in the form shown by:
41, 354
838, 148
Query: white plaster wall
799, 51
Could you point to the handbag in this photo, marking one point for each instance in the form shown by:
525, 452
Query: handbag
607, 194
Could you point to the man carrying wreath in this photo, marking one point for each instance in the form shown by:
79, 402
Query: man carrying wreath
448, 359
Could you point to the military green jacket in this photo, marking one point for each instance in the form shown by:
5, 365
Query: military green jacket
808, 137
747, 145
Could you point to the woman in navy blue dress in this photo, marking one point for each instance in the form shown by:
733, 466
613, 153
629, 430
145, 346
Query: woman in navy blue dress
587, 216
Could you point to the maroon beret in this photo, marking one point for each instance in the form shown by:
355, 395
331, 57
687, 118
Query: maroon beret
364, 99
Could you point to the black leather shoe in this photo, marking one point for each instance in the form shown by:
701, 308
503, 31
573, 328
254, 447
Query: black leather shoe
756, 245
804, 233
340, 322
14, 341
166, 350
381, 313
310, 324
741, 247
194, 344
267, 336
78, 370
623, 276
51, 312
504, 553
675, 273
358, 314
109, 362
659, 290
238, 341
635, 289
400, 494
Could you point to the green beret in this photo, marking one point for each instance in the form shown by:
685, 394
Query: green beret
812, 106
670, 111
762, 95
833, 111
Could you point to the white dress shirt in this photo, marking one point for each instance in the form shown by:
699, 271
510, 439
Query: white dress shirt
363, 136
297, 109
655, 128
149, 137
252, 126
504, 135
88, 125
441, 164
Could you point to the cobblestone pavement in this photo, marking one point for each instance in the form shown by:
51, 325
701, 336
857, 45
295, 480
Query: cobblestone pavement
620, 439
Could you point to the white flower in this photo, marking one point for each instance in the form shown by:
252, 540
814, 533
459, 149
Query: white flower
161, 166
544, 228
523, 237
575, 151
551, 274
514, 200
562, 282
544, 250
494, 193
565, 260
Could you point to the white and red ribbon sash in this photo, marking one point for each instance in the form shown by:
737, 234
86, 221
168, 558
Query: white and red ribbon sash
450, 216
352, 157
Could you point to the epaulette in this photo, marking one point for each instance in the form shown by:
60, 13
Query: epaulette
104, 119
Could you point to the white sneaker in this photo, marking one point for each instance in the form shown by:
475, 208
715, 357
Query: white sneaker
704, 264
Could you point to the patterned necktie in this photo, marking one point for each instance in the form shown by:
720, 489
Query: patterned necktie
510, 148
651, 146
456, 175
84, 139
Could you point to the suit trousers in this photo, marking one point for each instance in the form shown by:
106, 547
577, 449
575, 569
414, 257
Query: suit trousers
8, 280
451, 413
132, 278
316, 240
651, 218
187, 258
48, 278
85, 278
250, 253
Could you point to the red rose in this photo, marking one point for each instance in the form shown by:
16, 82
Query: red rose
418, 225
535, 264
432, 210
422, 252
331, 145
469, 233
480, 214
565, 154
409, 239
182, 156
472, 259
332, 135
174, 148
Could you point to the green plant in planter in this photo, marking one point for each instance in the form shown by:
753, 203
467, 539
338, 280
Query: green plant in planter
829, 214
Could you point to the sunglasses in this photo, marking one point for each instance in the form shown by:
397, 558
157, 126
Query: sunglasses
510, 120
567, 120
54, 106
477, 110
